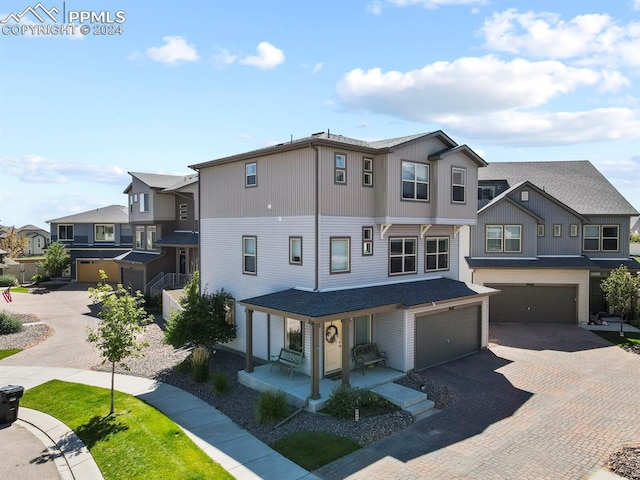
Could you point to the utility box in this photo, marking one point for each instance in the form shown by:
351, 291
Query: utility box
10, 396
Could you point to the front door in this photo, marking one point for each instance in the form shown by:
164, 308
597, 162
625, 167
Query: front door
332, 347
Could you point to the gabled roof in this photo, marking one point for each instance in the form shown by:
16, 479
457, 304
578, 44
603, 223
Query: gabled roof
155, 180
183, 182
577, 184
31, 228
337, 141
110, 214
463, 149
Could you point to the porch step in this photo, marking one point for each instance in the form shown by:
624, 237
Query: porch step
408, 399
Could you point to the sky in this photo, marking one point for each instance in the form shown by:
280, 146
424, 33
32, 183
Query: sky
116, 86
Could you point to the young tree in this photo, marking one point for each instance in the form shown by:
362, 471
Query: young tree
620, 290
13, 243
122, 315
56, 259
205, 320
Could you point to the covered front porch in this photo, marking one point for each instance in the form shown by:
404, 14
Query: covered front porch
296, 388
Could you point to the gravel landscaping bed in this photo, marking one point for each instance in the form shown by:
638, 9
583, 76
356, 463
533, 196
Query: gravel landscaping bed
626, 463
29, 336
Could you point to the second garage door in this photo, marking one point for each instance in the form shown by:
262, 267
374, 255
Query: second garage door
534, 304
88, 270
445, 336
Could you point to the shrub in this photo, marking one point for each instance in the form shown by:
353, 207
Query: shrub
9, 323
272, 406
200, 364
342, 401
220, 382
37, 278
8, 281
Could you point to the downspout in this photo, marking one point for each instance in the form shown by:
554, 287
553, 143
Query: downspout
316, 286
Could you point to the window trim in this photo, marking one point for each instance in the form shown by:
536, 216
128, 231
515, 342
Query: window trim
503, 238
338, 272
150, 237
247, 175
486, 238
524, 196
337, 169
463, 185
415, 182
415, 254
573, 230
366, 241
291, 261
437, 254
144, 202
141, 242
95, 232
617, 238
557, 230
519, 238
287, 344
66, 227
254, 255
541, 230
585, 237
367, 171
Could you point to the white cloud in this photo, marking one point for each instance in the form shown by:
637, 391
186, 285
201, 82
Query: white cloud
636, 4
375, 7
224, 57
317, 67
268, 57
37, 169
435, 3
589, 39
174, 50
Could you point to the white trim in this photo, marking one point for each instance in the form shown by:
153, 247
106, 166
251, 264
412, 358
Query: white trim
423, 230
383, 229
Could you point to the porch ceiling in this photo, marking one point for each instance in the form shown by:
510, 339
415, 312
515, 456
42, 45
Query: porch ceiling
318, 307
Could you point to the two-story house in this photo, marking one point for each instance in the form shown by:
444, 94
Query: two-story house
327, 242
163, 212
93, 238
37, 239
547, 234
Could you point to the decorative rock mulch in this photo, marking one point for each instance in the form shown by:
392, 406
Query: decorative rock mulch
626, 462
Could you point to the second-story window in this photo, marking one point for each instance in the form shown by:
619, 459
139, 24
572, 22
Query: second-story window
503, 238
367, 172
250, 255
403, 256
367, 241
436, 254
591, 238
295, 250
144, 202
65, 232
251, 174
415, 181
340, 168
557, 230
610, 238
486, 192
151, 237
105, 233
340, 255
458, 185
140, 243
573, 231
541, 230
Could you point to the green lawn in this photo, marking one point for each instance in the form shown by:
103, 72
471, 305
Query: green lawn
19, 290
614, 337
136, 442
8, 353
312, 450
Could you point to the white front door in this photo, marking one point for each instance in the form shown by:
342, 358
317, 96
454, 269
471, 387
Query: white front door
332, 346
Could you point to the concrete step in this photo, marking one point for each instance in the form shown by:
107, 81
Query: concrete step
422, 409
401, 396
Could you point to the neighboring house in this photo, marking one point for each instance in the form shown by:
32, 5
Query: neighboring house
635, 225
547, 234
2, 265
163, 212
94, 238
330, 234
37, 239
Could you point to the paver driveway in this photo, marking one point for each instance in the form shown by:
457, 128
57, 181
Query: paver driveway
544, 402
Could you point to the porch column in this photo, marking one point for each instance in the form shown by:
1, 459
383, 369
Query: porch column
346, 327
315, 361
249, 338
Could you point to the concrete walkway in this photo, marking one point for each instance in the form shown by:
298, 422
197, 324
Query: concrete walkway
239, 452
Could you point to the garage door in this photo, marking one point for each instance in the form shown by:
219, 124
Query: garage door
88, 270
534, 304
448, 335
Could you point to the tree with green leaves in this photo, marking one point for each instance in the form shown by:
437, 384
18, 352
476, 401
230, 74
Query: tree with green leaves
620, 290
205, 320
122, 318
13, 243
56, 259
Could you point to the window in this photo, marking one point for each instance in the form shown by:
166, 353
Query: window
541, 230
144, 202
140, 243
105, 233
249, 255
362, 330
610, 238
65, 232
250, 174
557, 230
340, 255
591, 238
131, 203
436, 254
486, 193
403, 256
151, 237
458, 185
367, 172
415, 181
574, 230
293, 334
367, 241
340, 171
184, 211
503, 238
295, 250
524, 196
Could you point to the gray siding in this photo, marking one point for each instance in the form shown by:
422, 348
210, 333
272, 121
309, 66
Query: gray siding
189, 223
624, 230
390, 333
504, 213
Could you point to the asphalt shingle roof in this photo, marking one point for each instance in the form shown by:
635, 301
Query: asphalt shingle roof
138, 257
577, 184
179, 238
540, 262
330, 303
110, 214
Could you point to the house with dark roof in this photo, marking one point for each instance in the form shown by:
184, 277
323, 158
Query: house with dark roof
163, 212
94, 238
329, 242
547, 234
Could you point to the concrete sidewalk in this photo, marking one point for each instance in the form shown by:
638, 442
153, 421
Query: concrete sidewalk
240, 453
